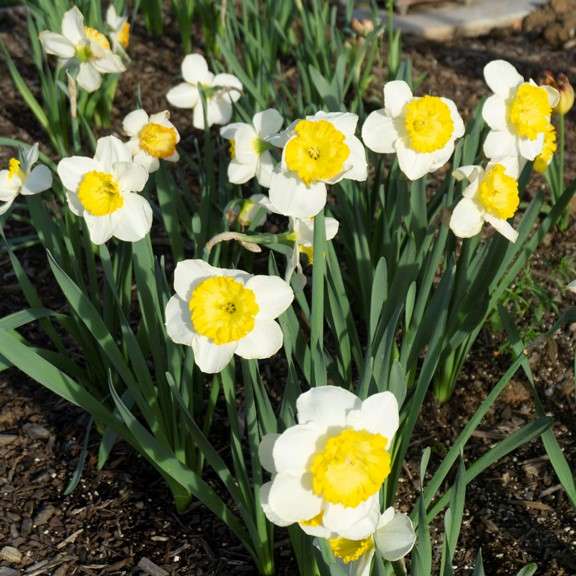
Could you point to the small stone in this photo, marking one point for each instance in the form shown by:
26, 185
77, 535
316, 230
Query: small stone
6, 439
44, 515
11, 555
37, 432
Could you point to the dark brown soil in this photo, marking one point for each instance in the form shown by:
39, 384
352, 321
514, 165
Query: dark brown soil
516, 512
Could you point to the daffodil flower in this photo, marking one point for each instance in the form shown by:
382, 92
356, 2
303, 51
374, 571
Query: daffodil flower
319, 150
491, 196
120, 29
254, 211
393, 537
328, 469
103, 191
250, 147
421, 131
83, 46
220, 312
542, 161
302, 233
518, 113
22, 177
220, 92
152, 138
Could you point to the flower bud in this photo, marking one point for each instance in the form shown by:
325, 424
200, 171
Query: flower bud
565, 89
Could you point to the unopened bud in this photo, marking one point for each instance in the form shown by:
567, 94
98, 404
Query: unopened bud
565, 90
362, 27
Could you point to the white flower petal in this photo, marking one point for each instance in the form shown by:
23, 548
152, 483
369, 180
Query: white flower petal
212, 358
240, 173
397, 94
9, 187
229, 131
353, 523
265, 452
133, 221
109, 63
7, 203
291, 498
231, 83
318, 531
395, 537
111, 150
291, 197
346, 122
39, 179
467, 219
183, 95
502, 226
265, 169
267, 122
134, 122
178, 323
413, 164
56, 44
88, 77
100, 228
529, 149
262, 342
244, 144
195, 69
326, 406
357, 167
293, 450
71, 170
378, 415
273, 295
501, 77
499, 143
459, 127
73, 26
494, 112
131, 177
264, 502
470, 172
219, 110
190, 272
553, 95
149, 163
379, 132
74, 203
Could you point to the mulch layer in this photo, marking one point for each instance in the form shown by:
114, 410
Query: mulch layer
121, 520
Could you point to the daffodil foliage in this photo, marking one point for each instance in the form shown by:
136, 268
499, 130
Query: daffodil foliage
304, 260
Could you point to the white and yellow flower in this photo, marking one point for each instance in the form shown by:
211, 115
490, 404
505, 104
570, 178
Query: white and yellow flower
119, 29
542, 161
328, 469
103, 191
302, 233
393, 537
84, 46
491, 196
220, 312
421, 131
250, 147
22, 177
319, 150
254, 211
152, 138
518, 113
220, 91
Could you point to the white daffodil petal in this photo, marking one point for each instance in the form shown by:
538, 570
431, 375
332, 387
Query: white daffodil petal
395, 538
245, 139
265, 339
229, 131
73, 26
264, 502
529, 149
265, 452
212, 358
6, 204
74, 203
110, 63
111, 150
553, 95
219, 110
57, 45
379, 132
326, 406
499, 143
188, 273
88, 77
459, 128
273, 295
100, 228
267, 122
503, 227
292, 499
133, 221
293, 450
467, 219
397, 94
501, 77
233, 86
346, 122
291, 197
265, 169
178, 324
183, 95
378, 414
470, 172
413, 164
353, 523
317, 531
39, 180
72, 170
494, 112
240, 173
131, 177
358, 167
195, 69
134, 122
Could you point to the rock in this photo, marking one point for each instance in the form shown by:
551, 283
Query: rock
11, 555
44, 515
6, 439
5, 571
37, 432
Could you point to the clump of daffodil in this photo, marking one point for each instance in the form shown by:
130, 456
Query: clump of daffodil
22, 177
319, 150
119, 29
542, 161
221, 312
491, 196
421, 131
518, 113
565, 90
220, 92
103, 191
82, 48
328, 469
152, 138
393, 538
250, 147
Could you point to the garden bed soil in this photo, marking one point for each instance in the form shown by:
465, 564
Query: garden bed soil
121, 520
